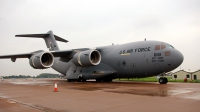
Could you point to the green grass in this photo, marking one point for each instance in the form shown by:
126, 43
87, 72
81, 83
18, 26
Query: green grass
151, 79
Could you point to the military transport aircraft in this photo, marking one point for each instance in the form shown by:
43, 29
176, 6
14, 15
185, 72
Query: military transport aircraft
130, 60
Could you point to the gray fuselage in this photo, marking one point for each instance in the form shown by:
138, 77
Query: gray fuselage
131, 60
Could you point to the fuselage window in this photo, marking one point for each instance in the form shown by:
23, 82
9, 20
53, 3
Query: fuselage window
157, 47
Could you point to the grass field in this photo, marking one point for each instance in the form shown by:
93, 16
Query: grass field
152, 79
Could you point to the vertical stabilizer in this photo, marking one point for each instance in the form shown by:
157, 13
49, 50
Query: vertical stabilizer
51, 42
49, 37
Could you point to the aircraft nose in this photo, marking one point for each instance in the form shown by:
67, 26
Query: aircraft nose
178, 58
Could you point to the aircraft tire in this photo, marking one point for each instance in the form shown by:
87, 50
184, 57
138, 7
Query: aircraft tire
78, 80
83, 80
166, 80
161, 80
107, 80
69, 80
98, 80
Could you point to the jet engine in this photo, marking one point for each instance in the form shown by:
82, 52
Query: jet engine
42, 60
87, 58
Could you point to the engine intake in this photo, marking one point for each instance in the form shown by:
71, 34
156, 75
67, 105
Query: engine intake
42, 60
87, 58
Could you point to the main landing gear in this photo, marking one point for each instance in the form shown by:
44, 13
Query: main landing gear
103, 80
80, 79
163, 80
76, 80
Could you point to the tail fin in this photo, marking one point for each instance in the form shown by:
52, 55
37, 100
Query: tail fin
49, 38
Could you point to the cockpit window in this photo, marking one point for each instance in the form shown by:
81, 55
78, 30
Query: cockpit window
157, 47
163, 46
171, 46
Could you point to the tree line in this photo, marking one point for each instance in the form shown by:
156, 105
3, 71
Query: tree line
43, 75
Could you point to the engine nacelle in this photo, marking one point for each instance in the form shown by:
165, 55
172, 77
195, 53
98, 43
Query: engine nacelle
42, 60
87, 58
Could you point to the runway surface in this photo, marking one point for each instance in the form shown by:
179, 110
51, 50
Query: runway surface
31, 95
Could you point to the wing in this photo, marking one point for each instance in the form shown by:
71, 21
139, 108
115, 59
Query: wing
62, 53
65, 55
25, 55
13, 57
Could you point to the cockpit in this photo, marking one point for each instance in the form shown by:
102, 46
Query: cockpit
163, 46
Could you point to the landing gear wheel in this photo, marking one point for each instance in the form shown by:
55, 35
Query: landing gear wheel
163, 80
98, 80
107, 80
69, 80
166, 80
78, 80
83, 80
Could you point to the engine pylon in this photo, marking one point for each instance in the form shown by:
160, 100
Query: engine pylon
55, 88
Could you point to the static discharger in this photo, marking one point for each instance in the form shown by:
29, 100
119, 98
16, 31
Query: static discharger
55, 88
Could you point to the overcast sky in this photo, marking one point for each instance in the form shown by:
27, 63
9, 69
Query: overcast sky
91, 23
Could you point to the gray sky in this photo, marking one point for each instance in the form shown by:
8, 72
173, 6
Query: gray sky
91, 23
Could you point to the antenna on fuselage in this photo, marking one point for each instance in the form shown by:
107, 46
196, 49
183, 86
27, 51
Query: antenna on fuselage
145, 39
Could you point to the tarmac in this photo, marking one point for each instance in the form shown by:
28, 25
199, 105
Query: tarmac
33, 95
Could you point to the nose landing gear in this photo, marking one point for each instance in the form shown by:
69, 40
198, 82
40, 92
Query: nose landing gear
163, 80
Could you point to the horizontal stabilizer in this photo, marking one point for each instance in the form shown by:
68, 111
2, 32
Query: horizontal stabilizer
42, 36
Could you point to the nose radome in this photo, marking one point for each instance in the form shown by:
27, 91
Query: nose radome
178, 58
